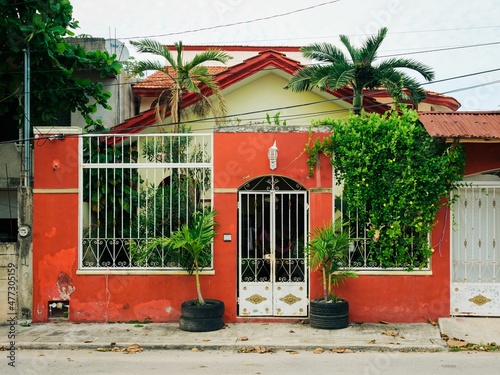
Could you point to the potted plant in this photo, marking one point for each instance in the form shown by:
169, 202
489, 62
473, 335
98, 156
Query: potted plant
327, 251
194, 240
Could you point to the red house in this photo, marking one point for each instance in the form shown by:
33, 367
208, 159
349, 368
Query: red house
88, 260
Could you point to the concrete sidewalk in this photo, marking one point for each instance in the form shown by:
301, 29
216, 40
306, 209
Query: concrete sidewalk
252, 336
237, 336
479, 331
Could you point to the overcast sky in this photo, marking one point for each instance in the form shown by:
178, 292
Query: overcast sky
458, 38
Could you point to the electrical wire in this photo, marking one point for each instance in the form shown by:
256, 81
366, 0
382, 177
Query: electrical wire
237, 23
306, 115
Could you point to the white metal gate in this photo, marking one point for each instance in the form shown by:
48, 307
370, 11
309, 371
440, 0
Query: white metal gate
272, 235
475, 270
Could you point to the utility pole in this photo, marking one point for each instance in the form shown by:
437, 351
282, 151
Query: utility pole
27, 122
25, 208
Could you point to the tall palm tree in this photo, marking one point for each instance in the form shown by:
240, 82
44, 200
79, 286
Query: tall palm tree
186, 76
335, 70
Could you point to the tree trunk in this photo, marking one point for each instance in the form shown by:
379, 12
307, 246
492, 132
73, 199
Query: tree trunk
357, 102
201, 301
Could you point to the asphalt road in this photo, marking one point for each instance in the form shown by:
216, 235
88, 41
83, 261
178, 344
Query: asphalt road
76, 362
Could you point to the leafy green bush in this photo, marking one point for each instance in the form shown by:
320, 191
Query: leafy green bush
396, 177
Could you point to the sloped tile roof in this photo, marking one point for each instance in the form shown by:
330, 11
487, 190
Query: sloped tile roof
228, 77
161, 80
432, 97
465, 125
272, 57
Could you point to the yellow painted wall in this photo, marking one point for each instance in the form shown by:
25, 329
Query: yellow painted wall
249, 102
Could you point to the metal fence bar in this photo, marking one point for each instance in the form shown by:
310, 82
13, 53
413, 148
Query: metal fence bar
137, 188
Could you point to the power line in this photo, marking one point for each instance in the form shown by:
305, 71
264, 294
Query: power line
238, 23
248, 120
117, 84
233, 116
442, 49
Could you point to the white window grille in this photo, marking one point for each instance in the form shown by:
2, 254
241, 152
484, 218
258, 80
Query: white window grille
136, 188
364, 244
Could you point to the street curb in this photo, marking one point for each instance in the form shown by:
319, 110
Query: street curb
432, 347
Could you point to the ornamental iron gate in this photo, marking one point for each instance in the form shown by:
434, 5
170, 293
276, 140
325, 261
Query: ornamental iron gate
272, 237
475, 270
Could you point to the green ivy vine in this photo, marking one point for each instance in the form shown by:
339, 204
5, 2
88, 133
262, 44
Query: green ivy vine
396, 177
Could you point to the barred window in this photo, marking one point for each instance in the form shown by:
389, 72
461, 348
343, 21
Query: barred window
137, 188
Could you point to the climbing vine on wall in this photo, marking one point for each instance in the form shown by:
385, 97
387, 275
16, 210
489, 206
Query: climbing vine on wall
395, 179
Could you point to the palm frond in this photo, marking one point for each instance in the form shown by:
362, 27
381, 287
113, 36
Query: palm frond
302, 79
353, 51
359, 71
368, 51
211, 55
143, 66
154, 47
400, 63
323, 52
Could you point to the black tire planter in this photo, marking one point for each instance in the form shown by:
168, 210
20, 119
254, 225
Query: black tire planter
201, 318
329, 315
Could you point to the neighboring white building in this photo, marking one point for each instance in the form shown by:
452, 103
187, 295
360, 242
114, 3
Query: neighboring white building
120, 87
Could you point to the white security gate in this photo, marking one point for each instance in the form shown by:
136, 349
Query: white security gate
475, 270
272, 236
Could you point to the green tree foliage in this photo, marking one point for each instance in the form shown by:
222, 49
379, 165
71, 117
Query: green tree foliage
57, 84
333, 69
395, 178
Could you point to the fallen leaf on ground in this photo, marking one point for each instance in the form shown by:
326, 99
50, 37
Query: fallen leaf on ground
342, 350
243, 338
457, 343
256, 349
318, 350
391, 333
372, 341
134, 348
432, 321
103, 349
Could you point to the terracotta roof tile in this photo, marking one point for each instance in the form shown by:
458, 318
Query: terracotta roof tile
465, 125
160, 80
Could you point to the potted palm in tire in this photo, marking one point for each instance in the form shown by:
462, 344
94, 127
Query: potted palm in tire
327, 251
194, 240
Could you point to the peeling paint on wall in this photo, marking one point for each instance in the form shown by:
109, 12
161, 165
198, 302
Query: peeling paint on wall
64, 286
52, 232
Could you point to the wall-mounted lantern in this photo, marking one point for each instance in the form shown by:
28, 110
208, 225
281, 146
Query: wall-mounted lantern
272, 154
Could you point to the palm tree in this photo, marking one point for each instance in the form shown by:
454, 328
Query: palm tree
335, 70
327, 250
194, 239
186, 76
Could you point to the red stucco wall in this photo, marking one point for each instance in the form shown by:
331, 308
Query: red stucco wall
481, 157
238, 157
